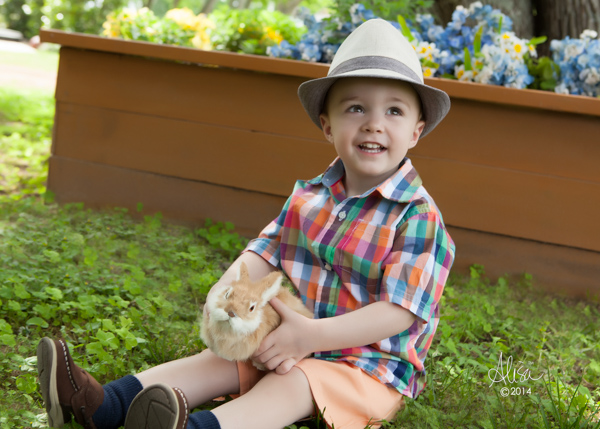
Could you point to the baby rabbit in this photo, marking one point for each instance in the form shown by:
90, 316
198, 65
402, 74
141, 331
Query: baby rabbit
237, 318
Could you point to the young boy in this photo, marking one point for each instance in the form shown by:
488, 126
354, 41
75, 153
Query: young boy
367, 250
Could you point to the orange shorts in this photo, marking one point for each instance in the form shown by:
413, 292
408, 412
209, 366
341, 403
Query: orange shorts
351, 398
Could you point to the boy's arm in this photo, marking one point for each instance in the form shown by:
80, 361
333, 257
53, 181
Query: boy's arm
298, 336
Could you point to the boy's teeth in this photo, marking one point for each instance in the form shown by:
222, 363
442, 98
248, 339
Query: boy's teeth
371, 147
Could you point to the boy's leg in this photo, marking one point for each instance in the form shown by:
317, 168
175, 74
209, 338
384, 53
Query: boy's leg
68, 389
275, 402
201, 377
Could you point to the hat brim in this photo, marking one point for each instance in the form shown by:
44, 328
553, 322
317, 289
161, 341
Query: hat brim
434, 102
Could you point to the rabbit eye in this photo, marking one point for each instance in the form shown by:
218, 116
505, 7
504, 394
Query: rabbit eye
227, 294
252, 307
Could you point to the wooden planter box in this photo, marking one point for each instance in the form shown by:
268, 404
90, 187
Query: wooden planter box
196, 134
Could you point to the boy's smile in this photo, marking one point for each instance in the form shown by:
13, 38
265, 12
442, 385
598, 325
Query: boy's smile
372, 123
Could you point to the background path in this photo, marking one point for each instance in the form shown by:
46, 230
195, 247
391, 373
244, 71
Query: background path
22, 66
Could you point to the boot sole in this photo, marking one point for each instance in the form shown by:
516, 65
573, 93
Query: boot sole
155, 407
46, 366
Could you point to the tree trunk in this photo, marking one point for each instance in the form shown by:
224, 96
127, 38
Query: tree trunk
288, 7
209, 6
520, 11
557, 19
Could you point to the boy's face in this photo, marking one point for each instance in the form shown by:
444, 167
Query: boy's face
372, 123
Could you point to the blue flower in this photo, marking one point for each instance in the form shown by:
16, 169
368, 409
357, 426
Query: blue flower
579, 63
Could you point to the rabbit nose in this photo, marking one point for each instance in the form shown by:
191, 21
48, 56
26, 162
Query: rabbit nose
231, 313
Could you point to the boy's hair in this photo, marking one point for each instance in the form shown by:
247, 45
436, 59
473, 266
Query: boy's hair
377, 49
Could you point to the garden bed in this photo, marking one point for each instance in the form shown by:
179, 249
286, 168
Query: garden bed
196, 134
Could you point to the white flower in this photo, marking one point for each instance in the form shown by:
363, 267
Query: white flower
474, 6
484, 75
588, 34
462, 74
590, 76
561, 88
572, 50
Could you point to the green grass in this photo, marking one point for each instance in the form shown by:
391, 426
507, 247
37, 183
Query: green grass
109, 283
25, 137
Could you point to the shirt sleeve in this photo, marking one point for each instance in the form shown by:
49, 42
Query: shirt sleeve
267, 244
418, 266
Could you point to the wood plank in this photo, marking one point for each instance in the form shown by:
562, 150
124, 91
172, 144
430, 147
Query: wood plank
189, 150
233, 98
477, 197
268, 103
259, 63
559, 269
489, 93
519, 98
471, 196
183, 201
513, 203
503, 136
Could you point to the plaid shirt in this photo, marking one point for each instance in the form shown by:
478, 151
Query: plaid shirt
389, 244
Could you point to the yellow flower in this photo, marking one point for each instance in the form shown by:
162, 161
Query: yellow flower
184, 17
272, 35
428, 72
518, 48
202, 41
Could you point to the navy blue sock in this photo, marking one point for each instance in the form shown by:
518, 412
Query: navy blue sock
118, 395
203, 420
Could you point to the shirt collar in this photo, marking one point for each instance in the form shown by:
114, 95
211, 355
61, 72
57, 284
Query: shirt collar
400, 187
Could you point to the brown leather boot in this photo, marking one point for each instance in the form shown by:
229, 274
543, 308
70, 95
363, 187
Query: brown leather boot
158, 407
66, 388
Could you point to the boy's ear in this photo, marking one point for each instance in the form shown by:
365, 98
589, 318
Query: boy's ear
417, 133
326, 126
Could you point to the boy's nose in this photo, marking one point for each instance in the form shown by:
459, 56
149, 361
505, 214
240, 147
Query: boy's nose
373, 124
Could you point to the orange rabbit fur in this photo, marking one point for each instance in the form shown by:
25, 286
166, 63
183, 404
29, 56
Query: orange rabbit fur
237, 318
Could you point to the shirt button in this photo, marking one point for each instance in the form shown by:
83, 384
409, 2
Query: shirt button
342, 215
328, 267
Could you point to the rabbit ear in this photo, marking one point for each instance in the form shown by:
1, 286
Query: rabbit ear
242, 272
272, 286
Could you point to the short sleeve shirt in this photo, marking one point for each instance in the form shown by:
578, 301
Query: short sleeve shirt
342, 253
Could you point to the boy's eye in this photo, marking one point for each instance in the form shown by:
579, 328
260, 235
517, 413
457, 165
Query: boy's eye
356, 109
394, 111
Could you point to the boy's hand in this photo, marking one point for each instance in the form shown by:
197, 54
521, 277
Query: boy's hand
289, 343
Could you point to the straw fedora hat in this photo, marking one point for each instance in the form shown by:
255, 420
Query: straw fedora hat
376, 49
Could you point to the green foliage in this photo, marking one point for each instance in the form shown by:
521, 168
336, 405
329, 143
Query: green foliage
568, 406
221, 236
384, 9
252, 31
25, 135
145, 26
546, 73
124, 293
28, 16
542, 333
